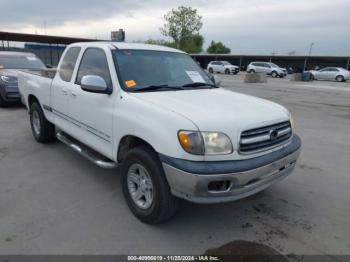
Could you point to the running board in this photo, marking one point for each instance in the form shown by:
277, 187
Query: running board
85, 151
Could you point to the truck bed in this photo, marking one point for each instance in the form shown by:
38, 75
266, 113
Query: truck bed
36, 83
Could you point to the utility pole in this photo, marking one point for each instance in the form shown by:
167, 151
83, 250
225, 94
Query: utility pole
310, 51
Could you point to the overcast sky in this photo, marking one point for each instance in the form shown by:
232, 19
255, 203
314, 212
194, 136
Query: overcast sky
246, 26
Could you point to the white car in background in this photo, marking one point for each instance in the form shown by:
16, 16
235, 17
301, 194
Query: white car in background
268, 68
223, 67
331, 73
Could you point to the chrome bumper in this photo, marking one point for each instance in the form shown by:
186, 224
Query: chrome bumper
195, 187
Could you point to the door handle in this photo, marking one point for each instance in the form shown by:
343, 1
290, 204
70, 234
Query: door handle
64, 91
73, 94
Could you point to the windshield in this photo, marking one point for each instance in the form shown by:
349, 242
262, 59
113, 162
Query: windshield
274, 65
20, 62
141, 69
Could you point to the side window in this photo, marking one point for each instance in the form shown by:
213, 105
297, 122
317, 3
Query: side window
68, 63
325, 69
94, 62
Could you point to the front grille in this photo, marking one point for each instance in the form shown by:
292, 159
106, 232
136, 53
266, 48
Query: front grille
12, 95
260, 139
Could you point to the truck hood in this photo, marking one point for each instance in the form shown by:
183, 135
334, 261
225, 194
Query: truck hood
218, 109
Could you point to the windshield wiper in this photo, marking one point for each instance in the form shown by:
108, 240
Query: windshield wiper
198, 84
157, 87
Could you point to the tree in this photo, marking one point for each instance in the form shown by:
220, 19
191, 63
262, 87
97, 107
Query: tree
183, 25
160, 42
192, 44
218, 48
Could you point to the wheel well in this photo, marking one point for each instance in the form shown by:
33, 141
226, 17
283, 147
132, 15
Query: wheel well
31, 100
127, 143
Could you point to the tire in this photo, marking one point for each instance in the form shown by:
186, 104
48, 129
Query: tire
3, 102
251, 71
340, 78
274, 74
43, 131
227, 71
211, 71
312, 77
163, 204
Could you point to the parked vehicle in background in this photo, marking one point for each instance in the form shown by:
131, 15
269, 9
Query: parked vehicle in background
222, 67
155, 113
331, 73
268, 68
10, 64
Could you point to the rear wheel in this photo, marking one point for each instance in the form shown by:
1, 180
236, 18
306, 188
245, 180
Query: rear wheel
340, 78
145, 187
211, 71
43, 131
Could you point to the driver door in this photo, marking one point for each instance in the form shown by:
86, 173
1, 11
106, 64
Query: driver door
92, 112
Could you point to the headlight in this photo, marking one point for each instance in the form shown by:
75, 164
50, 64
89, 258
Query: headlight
292, 124
205, 143
5, 78
8, 79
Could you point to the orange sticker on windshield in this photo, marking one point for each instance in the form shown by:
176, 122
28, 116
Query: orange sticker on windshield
130, 83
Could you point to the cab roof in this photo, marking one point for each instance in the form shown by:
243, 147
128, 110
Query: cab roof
133, 46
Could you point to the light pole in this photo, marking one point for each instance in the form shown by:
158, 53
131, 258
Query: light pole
311, 45
310, 51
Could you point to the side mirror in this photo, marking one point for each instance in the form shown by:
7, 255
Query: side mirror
217, 80
94, 84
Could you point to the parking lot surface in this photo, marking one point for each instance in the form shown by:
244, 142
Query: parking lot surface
53, 201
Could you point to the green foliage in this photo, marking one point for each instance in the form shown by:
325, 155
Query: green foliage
192, 44
183, 25
160, 42
218, 48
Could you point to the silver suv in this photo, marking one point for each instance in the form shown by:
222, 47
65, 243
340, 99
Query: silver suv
222, 67
268, 68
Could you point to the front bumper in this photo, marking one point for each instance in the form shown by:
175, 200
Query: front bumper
191, 180
10, 93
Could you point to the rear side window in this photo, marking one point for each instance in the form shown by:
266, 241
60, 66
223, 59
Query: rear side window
94, 62
68, 63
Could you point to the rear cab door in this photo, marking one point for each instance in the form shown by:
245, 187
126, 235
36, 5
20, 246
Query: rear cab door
60, 88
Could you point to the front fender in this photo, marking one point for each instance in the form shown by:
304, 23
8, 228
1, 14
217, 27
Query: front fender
155, 125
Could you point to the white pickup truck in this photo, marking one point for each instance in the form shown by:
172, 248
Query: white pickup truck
155, 113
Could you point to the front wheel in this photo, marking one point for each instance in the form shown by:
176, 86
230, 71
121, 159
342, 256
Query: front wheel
227, 71
145, 187
43, 131
211, 71
251, 71
274, 74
